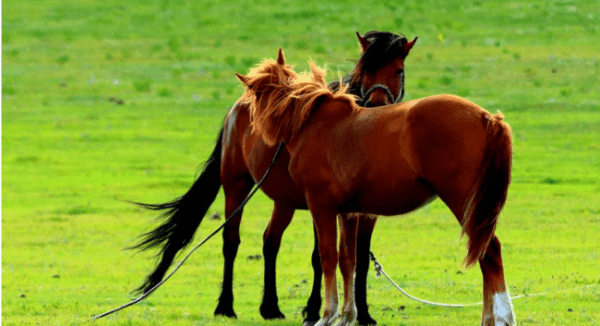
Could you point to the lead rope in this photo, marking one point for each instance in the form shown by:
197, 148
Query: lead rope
145, 295
379, 270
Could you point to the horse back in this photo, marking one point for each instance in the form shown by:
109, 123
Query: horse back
360, 159
233, 163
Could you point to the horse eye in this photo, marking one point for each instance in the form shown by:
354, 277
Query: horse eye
400, 71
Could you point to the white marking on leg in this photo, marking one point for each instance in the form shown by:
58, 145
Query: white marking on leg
330, 311
348, 317
503, 310
328, 320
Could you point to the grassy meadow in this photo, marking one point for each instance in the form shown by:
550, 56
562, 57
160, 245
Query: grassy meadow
106, 101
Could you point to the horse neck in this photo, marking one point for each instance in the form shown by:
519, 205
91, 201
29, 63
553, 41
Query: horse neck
353, 87
330, 112
354, 82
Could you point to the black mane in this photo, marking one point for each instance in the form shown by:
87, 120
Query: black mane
383, 47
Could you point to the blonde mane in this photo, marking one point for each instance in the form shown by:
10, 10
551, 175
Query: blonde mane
281, 101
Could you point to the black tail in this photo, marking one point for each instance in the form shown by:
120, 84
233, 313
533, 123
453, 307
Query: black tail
182, 217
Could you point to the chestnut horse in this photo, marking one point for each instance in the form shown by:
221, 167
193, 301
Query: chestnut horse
240, 157
387, 160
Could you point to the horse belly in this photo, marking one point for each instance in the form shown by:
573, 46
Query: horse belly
397, 198
280, 187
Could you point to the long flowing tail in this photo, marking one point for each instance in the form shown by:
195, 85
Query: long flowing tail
489, 194
182, 217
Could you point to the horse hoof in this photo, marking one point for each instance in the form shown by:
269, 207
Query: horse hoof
310, 318
497, 322
502, 323
346, 321
366, 320
226, 312
271, 313
328, 320
310, 321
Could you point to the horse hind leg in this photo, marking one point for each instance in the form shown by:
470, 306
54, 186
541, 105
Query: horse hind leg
497, 307
313, 305
280, 219
234, 196
476, 197
497, 310
366, 225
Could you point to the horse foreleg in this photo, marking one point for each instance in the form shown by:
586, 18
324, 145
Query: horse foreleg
234, 196
347, 258
366, 224
325, 224
281, 218
497, 308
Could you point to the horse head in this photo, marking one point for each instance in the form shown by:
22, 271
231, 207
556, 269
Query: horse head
281, 101
378, 78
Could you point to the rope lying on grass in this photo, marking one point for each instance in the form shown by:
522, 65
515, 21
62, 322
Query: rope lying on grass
145, 295
379, 270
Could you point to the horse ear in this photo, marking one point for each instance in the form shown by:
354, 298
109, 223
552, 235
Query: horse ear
242, 78
364, 43
280, 58
408, 45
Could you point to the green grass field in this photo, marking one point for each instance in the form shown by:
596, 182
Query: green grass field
110, 101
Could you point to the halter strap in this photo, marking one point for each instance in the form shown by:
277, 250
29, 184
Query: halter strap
394, 100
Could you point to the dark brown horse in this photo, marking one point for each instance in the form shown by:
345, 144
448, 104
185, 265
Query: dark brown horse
241, 157
388, 160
